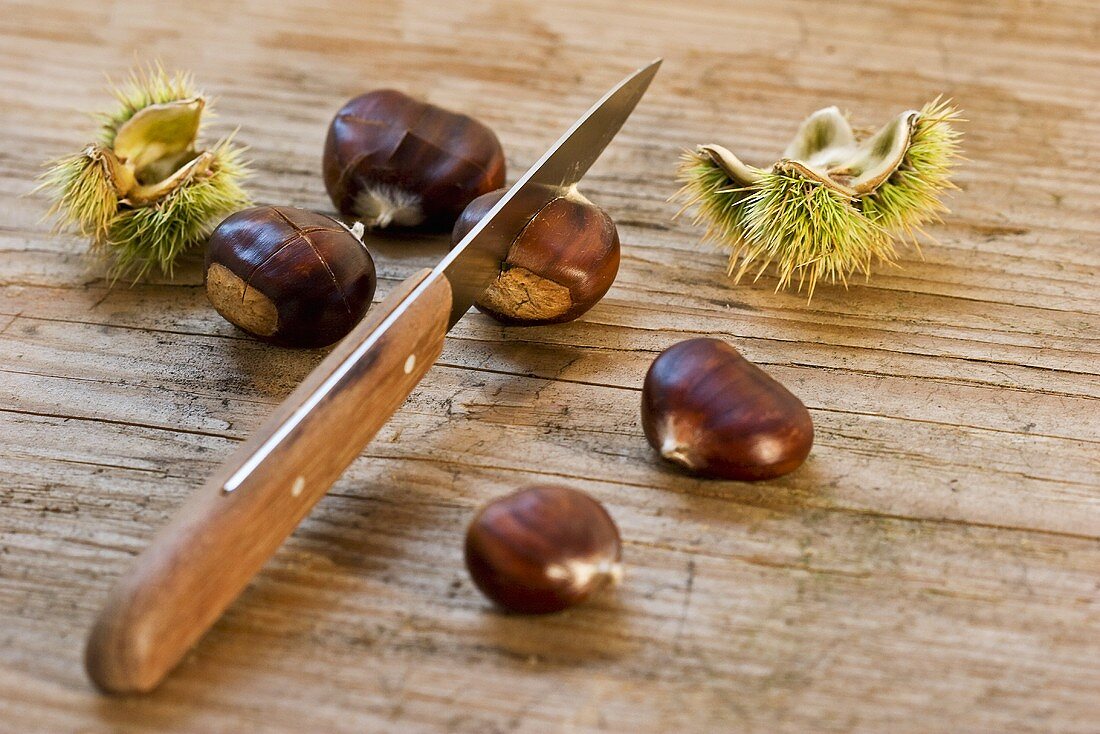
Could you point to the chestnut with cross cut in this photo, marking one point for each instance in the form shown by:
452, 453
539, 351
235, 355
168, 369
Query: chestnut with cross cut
289, 276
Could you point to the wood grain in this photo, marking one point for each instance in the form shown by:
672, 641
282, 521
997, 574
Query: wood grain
933, 566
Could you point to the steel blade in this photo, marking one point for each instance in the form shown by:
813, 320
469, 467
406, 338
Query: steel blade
473, 264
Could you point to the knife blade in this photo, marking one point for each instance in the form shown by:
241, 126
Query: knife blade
224, 533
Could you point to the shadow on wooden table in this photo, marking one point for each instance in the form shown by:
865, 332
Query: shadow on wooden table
596, 632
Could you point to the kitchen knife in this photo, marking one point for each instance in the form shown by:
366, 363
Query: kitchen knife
202, 560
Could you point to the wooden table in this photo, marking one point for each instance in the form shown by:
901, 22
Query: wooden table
935, 565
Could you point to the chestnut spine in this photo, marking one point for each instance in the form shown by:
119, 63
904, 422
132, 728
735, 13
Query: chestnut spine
148, 189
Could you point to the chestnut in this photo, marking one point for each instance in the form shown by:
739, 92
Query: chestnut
560, 264
289, 276
392, 160
543, 549
711, 411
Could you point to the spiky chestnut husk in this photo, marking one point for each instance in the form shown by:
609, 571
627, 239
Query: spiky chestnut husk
831, 206
146, 191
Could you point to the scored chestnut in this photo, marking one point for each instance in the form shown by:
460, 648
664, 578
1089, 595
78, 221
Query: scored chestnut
543, 549
560, 264
289, 276
711, 411
392, 160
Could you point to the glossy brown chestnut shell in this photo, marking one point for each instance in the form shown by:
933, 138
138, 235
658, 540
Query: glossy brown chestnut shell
288, 276
543, 549
559, 266
392, 160
710, 410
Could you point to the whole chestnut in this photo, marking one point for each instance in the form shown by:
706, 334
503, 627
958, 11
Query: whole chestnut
288, 276
711, 411
392, 160
560, 264
543, 549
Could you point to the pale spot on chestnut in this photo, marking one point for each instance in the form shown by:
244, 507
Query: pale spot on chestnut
410, 363
675, 449
381, 205
580, 573
298, 486
525, 296
242, 306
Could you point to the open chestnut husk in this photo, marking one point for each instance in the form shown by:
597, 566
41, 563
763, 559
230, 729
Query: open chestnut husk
391, 160
560, 264
289, 276
711, 411
543, 549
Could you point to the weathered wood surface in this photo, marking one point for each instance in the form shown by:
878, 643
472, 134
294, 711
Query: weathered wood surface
935, 566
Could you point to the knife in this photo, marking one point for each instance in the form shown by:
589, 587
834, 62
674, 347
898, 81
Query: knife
204, 558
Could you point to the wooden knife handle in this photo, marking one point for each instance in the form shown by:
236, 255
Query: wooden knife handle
202, 560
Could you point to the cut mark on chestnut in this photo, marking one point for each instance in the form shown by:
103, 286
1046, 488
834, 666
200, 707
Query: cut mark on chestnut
560, 264
709, 410
543, 549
